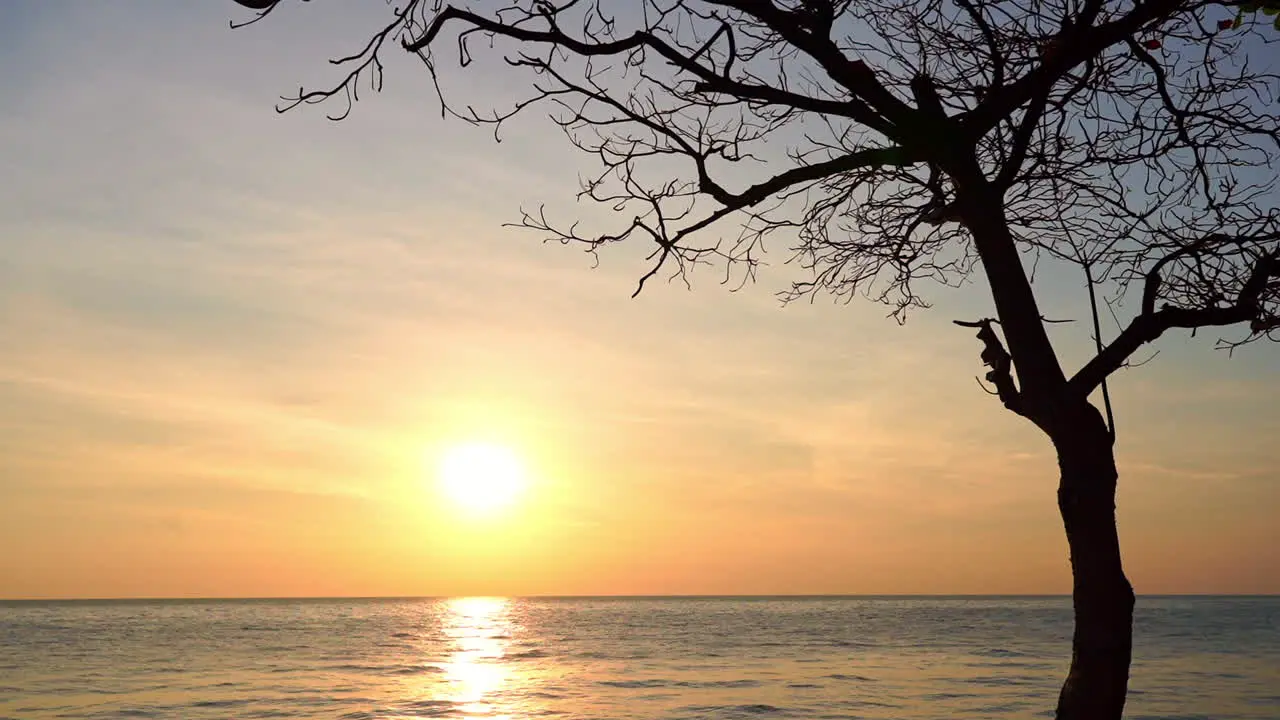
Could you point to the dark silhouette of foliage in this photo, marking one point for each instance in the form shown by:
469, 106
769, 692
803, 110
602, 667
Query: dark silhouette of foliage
897, 143
1270, 8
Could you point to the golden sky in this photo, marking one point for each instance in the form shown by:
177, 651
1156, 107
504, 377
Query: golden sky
232, 345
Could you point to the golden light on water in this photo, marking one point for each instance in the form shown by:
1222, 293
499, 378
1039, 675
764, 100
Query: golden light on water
480, 630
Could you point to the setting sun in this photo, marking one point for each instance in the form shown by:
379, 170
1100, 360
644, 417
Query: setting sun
481, 477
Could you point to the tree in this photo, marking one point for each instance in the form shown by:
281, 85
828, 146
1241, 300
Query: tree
903, 142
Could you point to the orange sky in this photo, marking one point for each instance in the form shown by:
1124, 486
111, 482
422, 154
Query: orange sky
232, 343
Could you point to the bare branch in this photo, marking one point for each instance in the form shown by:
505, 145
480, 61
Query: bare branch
710, 80
1249, 306
894, 145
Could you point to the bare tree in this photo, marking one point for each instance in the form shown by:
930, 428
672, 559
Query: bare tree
902, 142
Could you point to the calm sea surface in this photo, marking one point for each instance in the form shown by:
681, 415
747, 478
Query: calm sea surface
904, 658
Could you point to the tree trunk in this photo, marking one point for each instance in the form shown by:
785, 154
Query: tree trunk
1101, 595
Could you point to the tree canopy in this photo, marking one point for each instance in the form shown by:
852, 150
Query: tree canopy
895, 144
1136, 140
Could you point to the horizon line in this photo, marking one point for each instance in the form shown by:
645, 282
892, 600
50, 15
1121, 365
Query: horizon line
688, 596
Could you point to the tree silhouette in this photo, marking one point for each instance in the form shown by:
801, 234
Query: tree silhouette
1270, 8
902, 142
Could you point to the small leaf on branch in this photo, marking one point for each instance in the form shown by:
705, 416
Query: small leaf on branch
1151, 44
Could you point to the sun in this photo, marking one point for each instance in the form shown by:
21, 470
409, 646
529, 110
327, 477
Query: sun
481, 477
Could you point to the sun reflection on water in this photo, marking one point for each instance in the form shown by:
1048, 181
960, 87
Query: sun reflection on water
480, 630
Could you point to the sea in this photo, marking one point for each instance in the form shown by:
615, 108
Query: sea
907, 658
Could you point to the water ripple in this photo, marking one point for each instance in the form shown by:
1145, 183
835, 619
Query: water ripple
623, 659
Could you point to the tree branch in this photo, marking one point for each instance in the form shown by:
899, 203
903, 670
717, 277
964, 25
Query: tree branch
1151, 324
1071, 47
853, 75
709, 79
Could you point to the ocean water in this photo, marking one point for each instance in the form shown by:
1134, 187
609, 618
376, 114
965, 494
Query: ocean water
643, 658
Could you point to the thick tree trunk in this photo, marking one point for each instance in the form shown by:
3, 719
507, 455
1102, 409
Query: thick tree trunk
1102, 597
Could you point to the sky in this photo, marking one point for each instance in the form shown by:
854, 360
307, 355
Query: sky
234, 343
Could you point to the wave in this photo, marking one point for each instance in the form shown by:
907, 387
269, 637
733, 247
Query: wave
227, 703
569, 661
387, 669
636, 684
412, 709
1004, 680
1001, 653
736, 711
744, 683
663, 683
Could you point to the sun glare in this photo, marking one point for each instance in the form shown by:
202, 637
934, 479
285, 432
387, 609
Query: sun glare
480, 477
